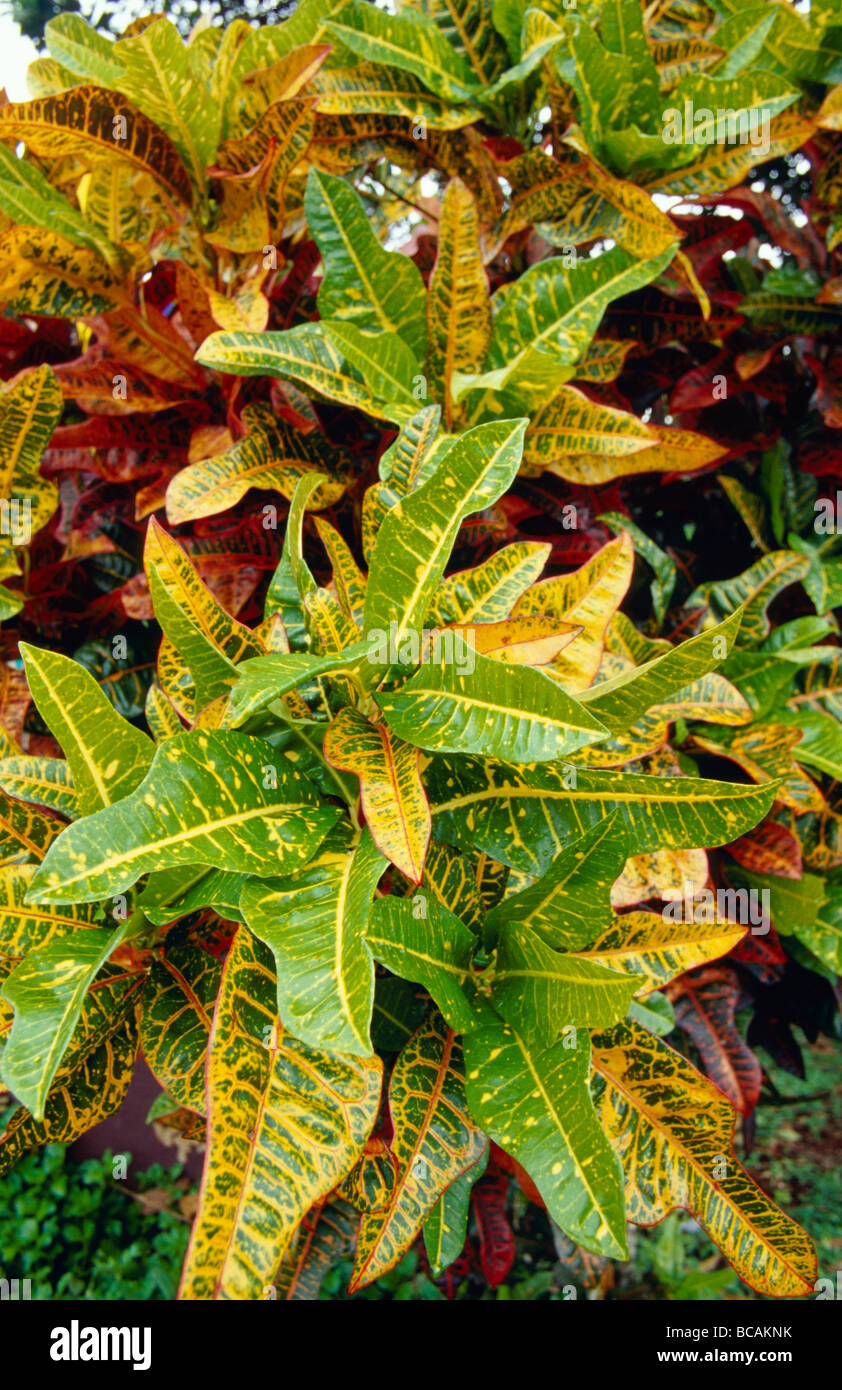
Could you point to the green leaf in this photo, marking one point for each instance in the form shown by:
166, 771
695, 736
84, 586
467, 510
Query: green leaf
488, 593
416, 537
446, 1228
261, 679
314, 922
206, 638
173, 893
474, 704
570, 904
30, 409
753, 591
408, 41
620, 702
523, 819
432, 948
542, 992
434, 1143
24, 927
662, 565
376, 377
272, 456
93, 1080
545, 320
155, 72
28, 197
107, 757
363, 284
536, 1105
467, 27
46, 991
205, 800
42, 781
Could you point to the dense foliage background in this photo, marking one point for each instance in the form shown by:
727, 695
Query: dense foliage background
370, 323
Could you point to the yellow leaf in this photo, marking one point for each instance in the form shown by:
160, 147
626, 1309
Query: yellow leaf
393, 798
434, 1142
571, 424
525, 641
458, 304
588, 598
643, 943
272, 456
673, 451
673, 1131
665, 873
94, 126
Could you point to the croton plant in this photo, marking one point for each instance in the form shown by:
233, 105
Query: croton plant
421, 687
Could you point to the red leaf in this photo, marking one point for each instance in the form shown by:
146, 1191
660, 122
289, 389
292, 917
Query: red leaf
496, 1237
768, 849
705, 1003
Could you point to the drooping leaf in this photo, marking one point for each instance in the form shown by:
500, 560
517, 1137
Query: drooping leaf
524, 819
286, 1122
90, 123
434, 1143
94, 1078
535, 1103
475, 704
705, 1004
672, 1129
431, 947
175, 1018
46, 991
42, 781
272, 456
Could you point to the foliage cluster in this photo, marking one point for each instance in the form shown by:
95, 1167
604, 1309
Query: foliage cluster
75, 1234
402, 866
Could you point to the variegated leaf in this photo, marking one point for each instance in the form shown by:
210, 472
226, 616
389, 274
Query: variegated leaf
434, 1142
286, 1123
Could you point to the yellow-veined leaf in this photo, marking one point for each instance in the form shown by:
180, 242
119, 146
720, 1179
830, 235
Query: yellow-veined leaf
434, 1142
207, 637
286, 1123
534, 1102
458, 305
272, 456
647, 945
218, 799
41, 781
95, 125
588, 598
391, 791
671, 1128
314, 922
107, 755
